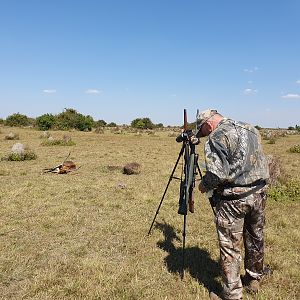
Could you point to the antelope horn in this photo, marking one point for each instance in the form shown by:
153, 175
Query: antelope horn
67, 157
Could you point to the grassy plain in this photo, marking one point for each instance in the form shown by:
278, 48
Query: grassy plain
84, 235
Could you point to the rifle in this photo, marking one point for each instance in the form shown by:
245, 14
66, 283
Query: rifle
187, 180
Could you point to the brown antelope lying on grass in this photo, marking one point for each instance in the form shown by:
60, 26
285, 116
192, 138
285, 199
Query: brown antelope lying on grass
66, 167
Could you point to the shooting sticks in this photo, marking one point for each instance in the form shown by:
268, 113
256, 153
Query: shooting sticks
187, 181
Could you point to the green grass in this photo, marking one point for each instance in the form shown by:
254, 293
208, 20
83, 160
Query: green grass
84, 235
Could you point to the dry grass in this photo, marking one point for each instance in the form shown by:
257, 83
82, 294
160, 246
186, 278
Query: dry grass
84, 235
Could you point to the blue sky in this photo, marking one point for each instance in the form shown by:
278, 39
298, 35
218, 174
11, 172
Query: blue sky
120, 60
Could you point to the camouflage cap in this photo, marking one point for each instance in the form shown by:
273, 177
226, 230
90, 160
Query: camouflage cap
203, 116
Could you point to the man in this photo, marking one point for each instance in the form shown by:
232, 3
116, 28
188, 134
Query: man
236, 174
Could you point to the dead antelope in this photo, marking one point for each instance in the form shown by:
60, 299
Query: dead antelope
66, 167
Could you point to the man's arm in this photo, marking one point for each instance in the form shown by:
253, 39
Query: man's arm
217, 166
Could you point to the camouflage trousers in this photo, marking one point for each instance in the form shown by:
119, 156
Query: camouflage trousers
240, 221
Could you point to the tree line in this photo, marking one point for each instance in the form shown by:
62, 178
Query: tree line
70, 119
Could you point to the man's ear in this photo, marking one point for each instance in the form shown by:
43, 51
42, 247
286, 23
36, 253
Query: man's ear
210, 126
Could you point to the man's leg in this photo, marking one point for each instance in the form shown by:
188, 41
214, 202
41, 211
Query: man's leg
229, 222
254, 237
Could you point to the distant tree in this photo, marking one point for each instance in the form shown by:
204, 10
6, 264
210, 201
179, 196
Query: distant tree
257, 127
1, 121
100, 123
70, 118
17, 120
85, 123
291, 128
45, 122
112, 124
297, 128
159, 125
142, 123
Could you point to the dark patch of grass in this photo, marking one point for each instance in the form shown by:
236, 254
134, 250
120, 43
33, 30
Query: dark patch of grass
57, 142
295, 149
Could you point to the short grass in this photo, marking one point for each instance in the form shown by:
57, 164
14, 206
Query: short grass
84, 235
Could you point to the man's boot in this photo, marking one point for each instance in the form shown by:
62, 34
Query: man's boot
250, 284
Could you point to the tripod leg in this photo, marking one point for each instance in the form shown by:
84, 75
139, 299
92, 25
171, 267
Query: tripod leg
183, 246
170, 179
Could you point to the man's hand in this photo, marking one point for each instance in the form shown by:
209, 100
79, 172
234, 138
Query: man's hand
194, 140
202, 188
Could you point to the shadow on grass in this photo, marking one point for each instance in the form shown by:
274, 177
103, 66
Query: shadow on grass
197, 261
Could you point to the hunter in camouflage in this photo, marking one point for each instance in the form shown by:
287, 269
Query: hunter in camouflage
236, 174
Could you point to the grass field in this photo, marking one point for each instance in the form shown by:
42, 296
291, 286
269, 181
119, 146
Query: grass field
84, 235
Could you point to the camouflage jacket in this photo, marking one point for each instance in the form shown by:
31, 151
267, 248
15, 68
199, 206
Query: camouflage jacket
234, 157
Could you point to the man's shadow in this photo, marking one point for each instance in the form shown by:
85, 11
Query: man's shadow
197, 261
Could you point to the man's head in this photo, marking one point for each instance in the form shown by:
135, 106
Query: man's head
207, 121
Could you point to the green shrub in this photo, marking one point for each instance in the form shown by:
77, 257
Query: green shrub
100, 123
70, 118
142, 123
45, 122
295, 149
27, 155
290, 190
17, 120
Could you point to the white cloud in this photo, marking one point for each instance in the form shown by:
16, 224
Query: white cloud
298, 81
93, 91
250, 91
291, 96
252, 70
173, 95
49, 91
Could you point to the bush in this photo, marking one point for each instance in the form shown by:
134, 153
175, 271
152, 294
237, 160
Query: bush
45, 122
28, 155
142, 123
17, 120
112, 124
19, 152
295, 149
100, 123
70, 118
283, 192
